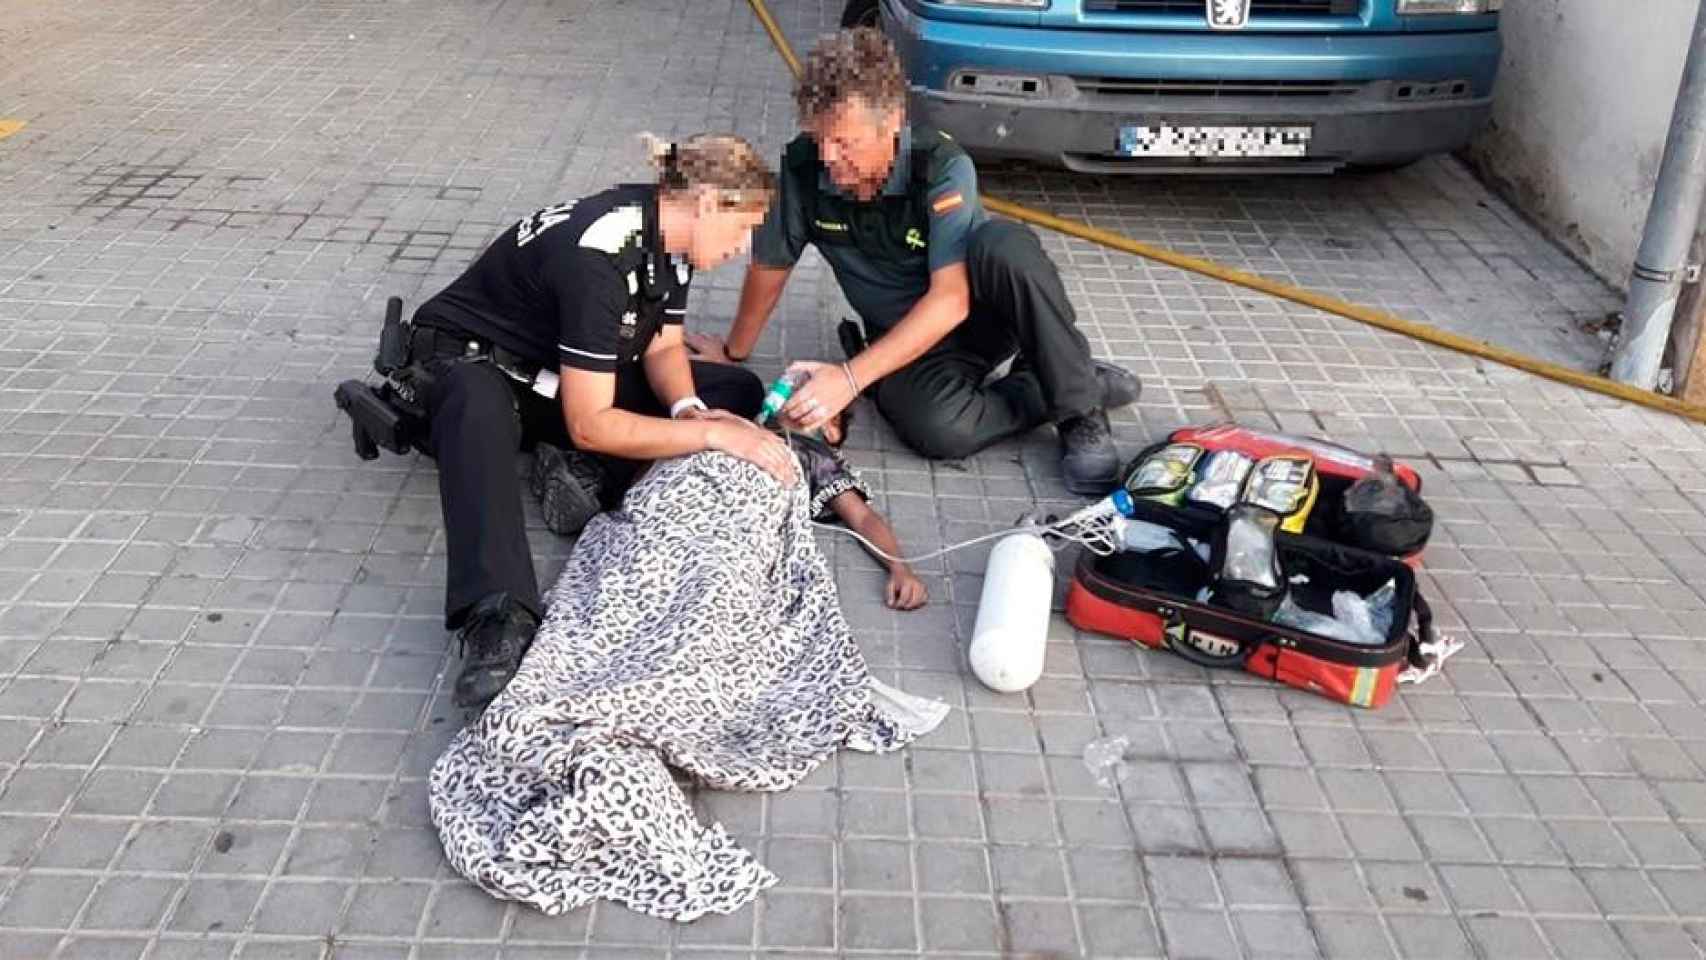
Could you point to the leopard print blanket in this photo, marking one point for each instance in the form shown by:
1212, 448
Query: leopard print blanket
696, 628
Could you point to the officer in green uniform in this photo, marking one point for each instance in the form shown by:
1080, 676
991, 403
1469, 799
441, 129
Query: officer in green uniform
946, 294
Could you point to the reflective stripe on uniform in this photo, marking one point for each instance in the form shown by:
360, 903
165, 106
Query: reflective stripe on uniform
586, 353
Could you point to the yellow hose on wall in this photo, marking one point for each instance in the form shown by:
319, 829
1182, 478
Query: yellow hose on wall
1375, 318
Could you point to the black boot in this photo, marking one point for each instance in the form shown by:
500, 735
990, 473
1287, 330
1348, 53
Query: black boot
567, 484
492, 642
1120, 387
1088, 459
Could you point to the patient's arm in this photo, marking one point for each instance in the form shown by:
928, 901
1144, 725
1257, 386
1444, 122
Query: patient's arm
904, 590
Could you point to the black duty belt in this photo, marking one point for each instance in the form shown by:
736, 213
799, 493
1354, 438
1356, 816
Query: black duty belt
439, 343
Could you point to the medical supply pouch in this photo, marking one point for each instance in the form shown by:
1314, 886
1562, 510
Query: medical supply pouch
1166, 599
1285, 484
1392, 523
1164, 473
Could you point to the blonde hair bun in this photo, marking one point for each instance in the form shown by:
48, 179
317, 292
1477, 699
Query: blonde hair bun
720, 161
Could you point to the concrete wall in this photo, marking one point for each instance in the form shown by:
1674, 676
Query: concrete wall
1580, 116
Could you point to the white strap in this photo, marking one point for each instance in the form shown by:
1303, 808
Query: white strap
686, 403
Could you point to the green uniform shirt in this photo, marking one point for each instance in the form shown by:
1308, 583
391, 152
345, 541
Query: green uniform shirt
882, 250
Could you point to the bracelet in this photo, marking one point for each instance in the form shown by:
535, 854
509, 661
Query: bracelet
852, 381
686, 403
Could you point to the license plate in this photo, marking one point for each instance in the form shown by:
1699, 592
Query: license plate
1167, 140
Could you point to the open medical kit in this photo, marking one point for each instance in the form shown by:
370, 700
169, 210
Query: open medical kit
1286, 557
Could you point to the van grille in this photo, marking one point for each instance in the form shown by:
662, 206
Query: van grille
1129, 87
1258, 8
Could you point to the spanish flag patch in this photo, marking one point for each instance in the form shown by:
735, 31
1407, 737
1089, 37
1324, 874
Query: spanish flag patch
947, 201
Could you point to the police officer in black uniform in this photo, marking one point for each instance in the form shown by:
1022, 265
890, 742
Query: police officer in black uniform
566, 333
946, 294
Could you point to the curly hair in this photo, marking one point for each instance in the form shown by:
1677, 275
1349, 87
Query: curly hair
851, 64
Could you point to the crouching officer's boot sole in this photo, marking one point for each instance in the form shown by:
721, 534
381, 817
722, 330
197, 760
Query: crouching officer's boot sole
497, 634
567, 484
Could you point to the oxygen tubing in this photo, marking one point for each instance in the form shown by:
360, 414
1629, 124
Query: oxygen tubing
1380, 319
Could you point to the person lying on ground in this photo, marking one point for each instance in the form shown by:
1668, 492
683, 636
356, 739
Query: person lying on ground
836, 491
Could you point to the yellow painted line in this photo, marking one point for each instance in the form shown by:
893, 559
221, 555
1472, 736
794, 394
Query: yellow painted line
1353, 311
777, 40
1556, 372
9, 127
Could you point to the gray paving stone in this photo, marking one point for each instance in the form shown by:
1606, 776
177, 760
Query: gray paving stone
208, 906
1036, 926
310, 908
1480, 888
393, 910
1331, 884
117, 792
1276, 934
959, 924
811, 863
1197, 934
1645, 938
1582, 938
798, 920
103, 948
1547, 890
1521, 841
1351, 935
1182, 882
1028, 872
1498, 936
953, 868
877, 923
82, 843
884, 866
1118, 932
1623, 892
1308, 834
1107, 875
1429, 936
130, 903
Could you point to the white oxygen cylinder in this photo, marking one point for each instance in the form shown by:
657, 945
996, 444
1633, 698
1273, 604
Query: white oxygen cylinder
1011, 635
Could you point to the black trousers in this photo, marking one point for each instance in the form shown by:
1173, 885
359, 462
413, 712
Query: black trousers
939, 404
480, 419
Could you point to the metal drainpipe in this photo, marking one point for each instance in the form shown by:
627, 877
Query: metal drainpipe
1658, 275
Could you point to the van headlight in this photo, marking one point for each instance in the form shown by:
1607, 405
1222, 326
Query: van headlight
1001, 4
1416, 8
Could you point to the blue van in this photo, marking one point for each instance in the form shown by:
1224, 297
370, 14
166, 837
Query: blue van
1169, 86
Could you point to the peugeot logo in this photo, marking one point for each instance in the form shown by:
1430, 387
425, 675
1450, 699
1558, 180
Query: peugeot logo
1228, 14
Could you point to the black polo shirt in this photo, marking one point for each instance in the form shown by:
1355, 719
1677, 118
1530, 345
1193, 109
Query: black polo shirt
882, 250
586, 285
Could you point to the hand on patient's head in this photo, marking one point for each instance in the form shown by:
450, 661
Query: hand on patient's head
755, 445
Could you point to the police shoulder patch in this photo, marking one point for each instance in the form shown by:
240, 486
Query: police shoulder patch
620, 227
947, 202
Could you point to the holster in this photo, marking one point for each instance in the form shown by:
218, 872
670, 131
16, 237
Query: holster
391, 415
